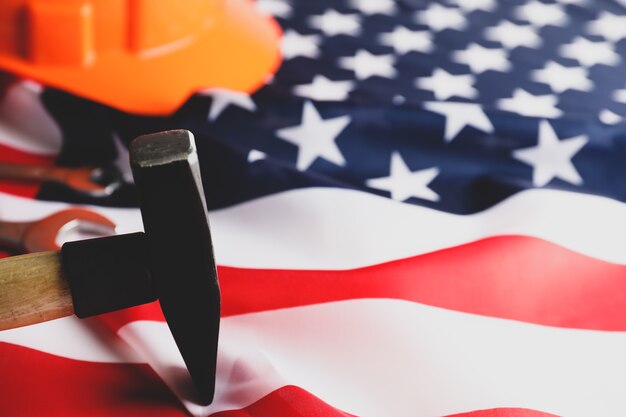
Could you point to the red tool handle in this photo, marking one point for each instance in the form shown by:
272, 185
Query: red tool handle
18, 172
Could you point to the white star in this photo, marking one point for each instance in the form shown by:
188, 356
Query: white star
469, 6
459, 115
439, 18
366, 65
404, 40
481, 59
561, 78
445, 85
542, 14
333, 23
606, 116
620, 95
294, 44
511, 35
609, 25
256, 155
590, 53
552, 158
404, 184
528, 104
223, 98
324, 89
374, 6
315, 137
278, 8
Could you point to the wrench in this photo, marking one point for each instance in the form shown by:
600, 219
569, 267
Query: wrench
95, 182
41, 235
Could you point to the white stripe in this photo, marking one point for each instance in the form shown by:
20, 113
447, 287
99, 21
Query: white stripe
376, 358
72, 338
325, 228
244, 375
25, 124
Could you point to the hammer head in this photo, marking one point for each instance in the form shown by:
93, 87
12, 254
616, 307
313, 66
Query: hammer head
179, 249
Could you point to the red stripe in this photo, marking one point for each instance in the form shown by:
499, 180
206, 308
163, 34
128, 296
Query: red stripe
505, 412
34, 383
292, 401
14, 156
287, 401
512, 277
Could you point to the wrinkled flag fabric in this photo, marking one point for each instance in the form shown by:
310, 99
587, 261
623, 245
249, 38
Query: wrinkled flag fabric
421, 214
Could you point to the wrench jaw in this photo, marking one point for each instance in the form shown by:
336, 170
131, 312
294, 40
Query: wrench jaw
94, 182
81, 230
44, 234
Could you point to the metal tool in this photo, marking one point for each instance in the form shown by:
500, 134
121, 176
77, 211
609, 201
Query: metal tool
94, 182
172, 261
42, 235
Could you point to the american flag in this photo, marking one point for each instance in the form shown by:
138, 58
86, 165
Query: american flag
420, 214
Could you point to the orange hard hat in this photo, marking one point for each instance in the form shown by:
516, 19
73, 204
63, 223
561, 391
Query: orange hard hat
141, 56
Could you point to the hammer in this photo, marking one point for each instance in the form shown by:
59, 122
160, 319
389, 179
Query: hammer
172, 261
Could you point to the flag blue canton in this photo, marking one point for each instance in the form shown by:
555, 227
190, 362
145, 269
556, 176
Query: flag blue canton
454, 105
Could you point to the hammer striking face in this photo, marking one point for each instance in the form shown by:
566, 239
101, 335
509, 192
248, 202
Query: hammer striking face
172, 261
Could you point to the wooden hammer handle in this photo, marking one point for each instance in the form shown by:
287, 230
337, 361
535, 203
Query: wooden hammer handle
33, 289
